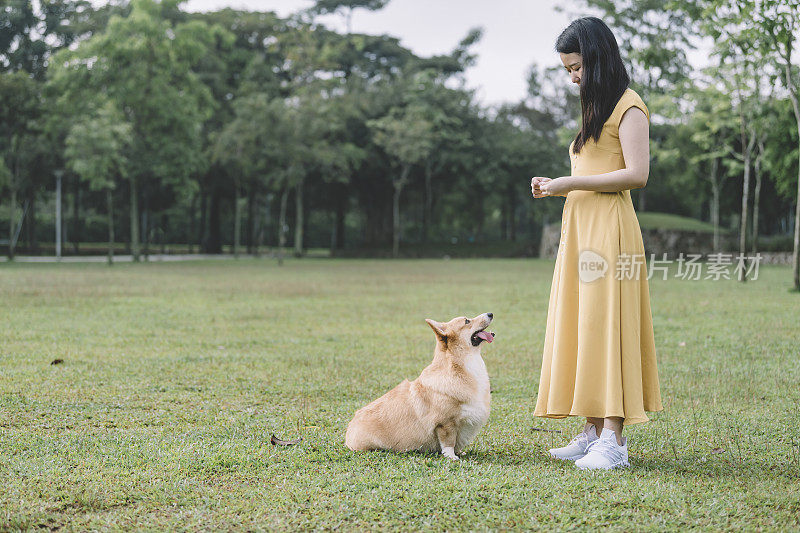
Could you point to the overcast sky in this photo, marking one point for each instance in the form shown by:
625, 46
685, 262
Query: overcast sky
517, 33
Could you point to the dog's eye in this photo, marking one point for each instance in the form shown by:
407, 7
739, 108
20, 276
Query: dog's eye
466, 321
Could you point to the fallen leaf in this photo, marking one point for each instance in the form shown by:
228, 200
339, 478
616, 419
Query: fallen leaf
279, 442
682, 343
546, 430
716, 451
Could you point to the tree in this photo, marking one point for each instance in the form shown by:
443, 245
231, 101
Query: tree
246, 59
741, 72
321, 155
5, 176
780, 21
779, 162
768, 28
712, 127
31, 31
448, 112
19, 108
96, 150
347, 6
254, 147
160, 95
406, 135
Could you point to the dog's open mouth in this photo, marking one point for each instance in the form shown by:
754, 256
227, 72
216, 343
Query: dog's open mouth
480, 336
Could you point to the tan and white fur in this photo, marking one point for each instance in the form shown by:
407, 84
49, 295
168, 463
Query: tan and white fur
444, 408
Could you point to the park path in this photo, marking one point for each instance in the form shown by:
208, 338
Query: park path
117, 258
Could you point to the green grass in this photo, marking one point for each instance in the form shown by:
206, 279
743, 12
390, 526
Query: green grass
668, 221
175, 376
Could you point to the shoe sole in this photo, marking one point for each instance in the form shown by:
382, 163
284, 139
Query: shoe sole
573, 458
621, 464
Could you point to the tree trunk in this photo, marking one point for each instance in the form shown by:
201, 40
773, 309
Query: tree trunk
341, 212
748, 151
298, 223
261, 221
504, 218
145, 229
252, 216
110, 211
12, 218
202, 242
282, 224
192, 224
508, 227
479, 220
715, 191
30, 225
76, 216
375, 201
162, 232
757, 194
789, 79
135, 249
396, 220
398, 188
332, 247
214, 230
796, 249
512, 212
427, 210
237, 221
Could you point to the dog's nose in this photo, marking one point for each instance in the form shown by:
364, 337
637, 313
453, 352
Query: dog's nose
490, 315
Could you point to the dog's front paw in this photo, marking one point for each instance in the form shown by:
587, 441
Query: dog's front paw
450, 454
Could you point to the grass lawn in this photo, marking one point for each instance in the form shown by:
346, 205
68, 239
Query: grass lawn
175, 375
669, 221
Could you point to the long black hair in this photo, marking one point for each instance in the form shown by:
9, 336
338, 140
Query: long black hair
604, 77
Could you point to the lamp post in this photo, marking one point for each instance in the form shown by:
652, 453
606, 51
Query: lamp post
59, 173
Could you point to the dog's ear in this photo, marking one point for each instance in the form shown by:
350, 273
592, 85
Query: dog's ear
437, 328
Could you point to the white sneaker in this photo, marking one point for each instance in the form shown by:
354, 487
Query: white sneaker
577, 447
605, 453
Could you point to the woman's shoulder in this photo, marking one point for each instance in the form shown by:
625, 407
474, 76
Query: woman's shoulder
629, 98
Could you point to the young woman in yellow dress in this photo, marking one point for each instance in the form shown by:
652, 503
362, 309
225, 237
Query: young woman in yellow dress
599, 358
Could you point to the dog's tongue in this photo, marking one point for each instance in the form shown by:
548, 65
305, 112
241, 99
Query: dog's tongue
485, 335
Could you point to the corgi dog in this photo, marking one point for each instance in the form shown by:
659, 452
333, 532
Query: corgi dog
444, 408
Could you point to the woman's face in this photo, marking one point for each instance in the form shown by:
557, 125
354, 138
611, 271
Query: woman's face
573, 63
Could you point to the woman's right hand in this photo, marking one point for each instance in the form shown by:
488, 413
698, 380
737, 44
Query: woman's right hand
535, 186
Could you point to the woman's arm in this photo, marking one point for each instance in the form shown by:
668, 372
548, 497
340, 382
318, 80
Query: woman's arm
634, 136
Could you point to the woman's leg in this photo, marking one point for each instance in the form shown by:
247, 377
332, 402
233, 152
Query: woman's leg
614, 423
598, 424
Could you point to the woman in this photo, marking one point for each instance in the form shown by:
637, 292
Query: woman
599, 358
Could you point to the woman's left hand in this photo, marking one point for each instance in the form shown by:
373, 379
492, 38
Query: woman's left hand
556, 187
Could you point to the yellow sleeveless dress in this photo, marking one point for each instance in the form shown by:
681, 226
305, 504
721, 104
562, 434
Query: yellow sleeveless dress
599, 357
